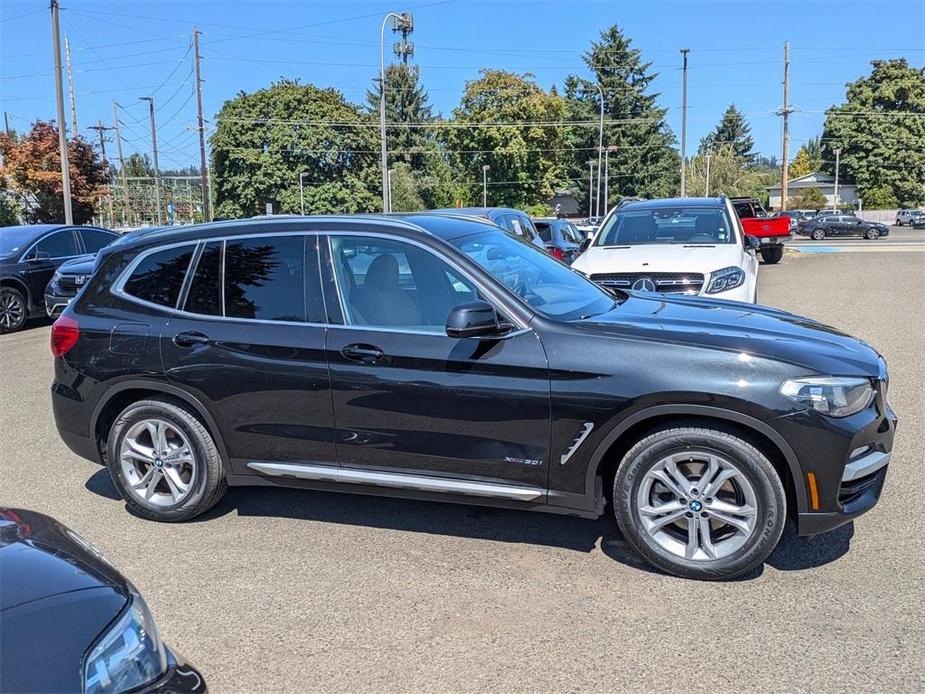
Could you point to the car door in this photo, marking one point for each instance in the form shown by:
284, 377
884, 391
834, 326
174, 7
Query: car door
410, 399
248, 342
45, 257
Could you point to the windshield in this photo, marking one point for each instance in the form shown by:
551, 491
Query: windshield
14, 239
547, 285
687, 225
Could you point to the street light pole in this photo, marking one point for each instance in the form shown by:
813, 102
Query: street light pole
837, 163
157, 174
600, 146
590, 188
607, 152
302, 193
684, 52
706, 192
485, 185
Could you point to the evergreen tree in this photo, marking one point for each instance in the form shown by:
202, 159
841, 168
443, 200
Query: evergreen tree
733, 130
880, 130
645, 162
405, 102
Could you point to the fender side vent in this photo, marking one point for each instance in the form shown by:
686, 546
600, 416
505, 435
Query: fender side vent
577, 440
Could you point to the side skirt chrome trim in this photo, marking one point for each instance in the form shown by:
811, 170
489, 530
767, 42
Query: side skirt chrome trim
397, 480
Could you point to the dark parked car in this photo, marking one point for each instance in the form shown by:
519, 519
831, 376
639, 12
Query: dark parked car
433, 356
29, 256
68, 279
562, 239
70, 622
513, 221
830, 225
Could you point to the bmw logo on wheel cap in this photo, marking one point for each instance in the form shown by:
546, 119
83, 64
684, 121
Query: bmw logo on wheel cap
696, 505
644, 284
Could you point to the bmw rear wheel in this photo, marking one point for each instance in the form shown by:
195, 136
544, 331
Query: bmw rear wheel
817, 234
164, 462
699, 502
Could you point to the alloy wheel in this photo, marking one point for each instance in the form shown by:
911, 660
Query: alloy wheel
697, 505
157, 463
12, 311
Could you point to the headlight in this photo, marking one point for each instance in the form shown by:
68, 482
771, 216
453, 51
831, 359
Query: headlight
725, 279
128, 656
56, 277
834, 396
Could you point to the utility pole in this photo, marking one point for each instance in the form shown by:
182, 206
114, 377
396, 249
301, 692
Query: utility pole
157, 173
600, 146
684, 52
100, 130
203, 164
706, 192
390, 188
785, 140
6, 124
405, 23
607, 152
837, 163
115, 125
189, 195
59, 93
484, 185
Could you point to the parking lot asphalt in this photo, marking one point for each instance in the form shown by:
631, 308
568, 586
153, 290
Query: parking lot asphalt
279, 590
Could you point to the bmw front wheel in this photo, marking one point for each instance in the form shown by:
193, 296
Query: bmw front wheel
699, 502
817, 234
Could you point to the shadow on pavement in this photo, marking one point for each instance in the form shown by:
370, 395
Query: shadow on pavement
482, 523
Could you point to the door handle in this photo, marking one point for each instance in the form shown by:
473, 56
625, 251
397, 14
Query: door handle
363, 353
190, 339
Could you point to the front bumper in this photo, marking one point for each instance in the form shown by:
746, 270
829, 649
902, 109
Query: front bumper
180, 678
847, 489
56, 303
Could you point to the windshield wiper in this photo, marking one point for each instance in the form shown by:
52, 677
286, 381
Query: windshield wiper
609, 247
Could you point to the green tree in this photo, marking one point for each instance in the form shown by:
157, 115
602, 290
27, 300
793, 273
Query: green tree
506, 121
880, 130
32, 165
406, 105
807, 199
880, 198
645, 162
732, 130
728, 175
264, 141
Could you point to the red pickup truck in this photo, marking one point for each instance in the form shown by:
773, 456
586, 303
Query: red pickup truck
771, 232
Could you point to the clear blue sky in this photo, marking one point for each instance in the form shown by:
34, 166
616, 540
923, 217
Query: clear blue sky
123, 50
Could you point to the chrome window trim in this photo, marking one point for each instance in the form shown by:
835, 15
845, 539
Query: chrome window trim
117, 288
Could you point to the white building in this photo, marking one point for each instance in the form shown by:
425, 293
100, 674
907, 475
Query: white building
847, 192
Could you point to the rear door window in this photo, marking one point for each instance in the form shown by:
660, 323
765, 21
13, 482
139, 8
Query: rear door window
95, 239
205, 292
265, 278
159, 276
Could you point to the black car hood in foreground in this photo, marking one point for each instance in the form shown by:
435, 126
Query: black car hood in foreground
739, 327
57, 595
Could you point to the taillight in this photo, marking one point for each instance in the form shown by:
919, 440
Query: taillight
64, 335
555, 252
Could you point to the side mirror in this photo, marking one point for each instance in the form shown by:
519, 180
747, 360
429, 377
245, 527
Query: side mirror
39, 257
584, 245
752, 244
473, 319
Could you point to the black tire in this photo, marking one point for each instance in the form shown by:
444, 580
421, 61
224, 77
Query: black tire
13, 310
753, 465
209, 483
872, 234
772, 254
817, 234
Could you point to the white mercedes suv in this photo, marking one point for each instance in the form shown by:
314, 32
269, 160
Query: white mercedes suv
693, 246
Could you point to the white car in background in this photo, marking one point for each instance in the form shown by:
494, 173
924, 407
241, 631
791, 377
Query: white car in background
688, 246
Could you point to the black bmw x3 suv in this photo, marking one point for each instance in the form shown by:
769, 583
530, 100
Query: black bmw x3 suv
437, 357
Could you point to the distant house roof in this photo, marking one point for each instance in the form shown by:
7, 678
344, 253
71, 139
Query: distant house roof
815, 179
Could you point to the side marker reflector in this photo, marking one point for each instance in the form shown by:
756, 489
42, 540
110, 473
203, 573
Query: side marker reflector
813, 491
